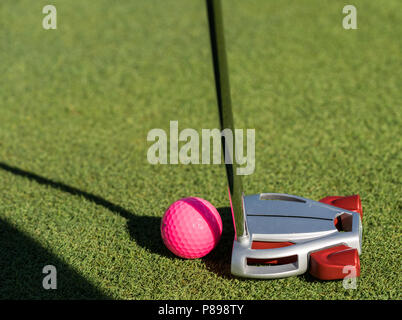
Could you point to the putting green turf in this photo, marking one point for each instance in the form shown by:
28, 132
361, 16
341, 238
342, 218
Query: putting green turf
76, 104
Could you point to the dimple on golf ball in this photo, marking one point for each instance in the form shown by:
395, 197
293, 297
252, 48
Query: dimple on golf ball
191, 227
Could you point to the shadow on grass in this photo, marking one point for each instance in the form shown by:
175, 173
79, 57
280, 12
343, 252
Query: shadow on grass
144, 230
21, 264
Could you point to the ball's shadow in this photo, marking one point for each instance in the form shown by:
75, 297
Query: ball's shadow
218, 260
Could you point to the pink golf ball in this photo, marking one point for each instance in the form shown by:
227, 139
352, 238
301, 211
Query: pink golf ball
191, 227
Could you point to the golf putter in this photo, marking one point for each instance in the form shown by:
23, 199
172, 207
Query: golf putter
281, 235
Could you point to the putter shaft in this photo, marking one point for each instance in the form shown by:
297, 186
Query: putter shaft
219, 59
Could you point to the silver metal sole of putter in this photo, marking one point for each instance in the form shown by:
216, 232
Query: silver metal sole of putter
307, 224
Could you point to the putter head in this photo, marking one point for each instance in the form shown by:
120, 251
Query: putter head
280, 235
287, 235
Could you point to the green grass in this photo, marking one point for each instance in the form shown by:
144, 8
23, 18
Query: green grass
76, 105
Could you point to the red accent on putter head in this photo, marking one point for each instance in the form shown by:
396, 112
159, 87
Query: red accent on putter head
351, 203
269, 245
261, 245
328, 264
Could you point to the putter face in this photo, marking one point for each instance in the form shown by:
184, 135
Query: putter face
283, 230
